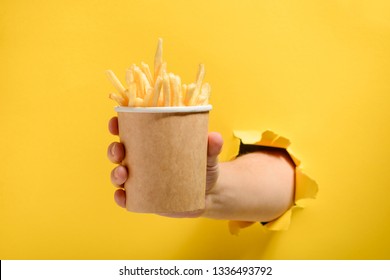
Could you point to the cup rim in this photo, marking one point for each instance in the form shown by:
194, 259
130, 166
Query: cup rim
173, 109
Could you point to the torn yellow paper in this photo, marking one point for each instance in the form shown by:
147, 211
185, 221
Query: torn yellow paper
248, 136
235, 226
305, 187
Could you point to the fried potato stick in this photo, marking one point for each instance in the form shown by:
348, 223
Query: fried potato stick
189, 94
174, 86
132, 94
204, 95
118, 98
146, 70
115, 81
166, 90
158, 60
198, 82
157, 91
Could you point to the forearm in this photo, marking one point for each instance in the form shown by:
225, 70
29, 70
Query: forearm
254, 187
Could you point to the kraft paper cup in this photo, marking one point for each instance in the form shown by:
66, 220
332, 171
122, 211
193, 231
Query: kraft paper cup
166, 156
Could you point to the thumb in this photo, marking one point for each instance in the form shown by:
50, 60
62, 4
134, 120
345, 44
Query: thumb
214, 147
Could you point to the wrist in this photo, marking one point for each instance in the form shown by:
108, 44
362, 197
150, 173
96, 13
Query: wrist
254, 187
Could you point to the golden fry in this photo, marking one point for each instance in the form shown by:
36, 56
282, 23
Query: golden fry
199, 80
174, 89
166, 91
146, 70
139, 102
183, 93
204, 95
140, 81
189, 94
118, 98
148, 97
132, 93
129, 76
156, 92
145, 81
115, 81
162, 70
180, 92
158, 60
200, 76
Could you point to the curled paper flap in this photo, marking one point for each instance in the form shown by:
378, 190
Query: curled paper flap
281, 223
235, 226
305, 187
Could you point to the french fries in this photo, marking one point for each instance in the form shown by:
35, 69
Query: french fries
160, 89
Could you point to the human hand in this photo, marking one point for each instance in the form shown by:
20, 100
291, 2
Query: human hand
116, 153
255, 187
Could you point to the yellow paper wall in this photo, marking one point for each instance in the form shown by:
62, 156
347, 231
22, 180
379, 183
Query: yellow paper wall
316, 72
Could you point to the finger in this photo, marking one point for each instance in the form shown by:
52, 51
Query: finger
214, 148
116, 152
119, 175
113, 126
120, 198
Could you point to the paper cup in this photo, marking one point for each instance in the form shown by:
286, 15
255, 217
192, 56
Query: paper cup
166, 157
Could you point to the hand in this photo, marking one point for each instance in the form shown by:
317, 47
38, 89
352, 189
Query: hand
116, 153
255, 187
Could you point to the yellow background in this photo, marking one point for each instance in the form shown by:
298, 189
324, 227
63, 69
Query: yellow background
316, 72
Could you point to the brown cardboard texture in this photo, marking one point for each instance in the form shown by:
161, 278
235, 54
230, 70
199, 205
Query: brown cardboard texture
166, 156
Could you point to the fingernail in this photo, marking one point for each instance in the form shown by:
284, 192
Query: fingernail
113, 149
